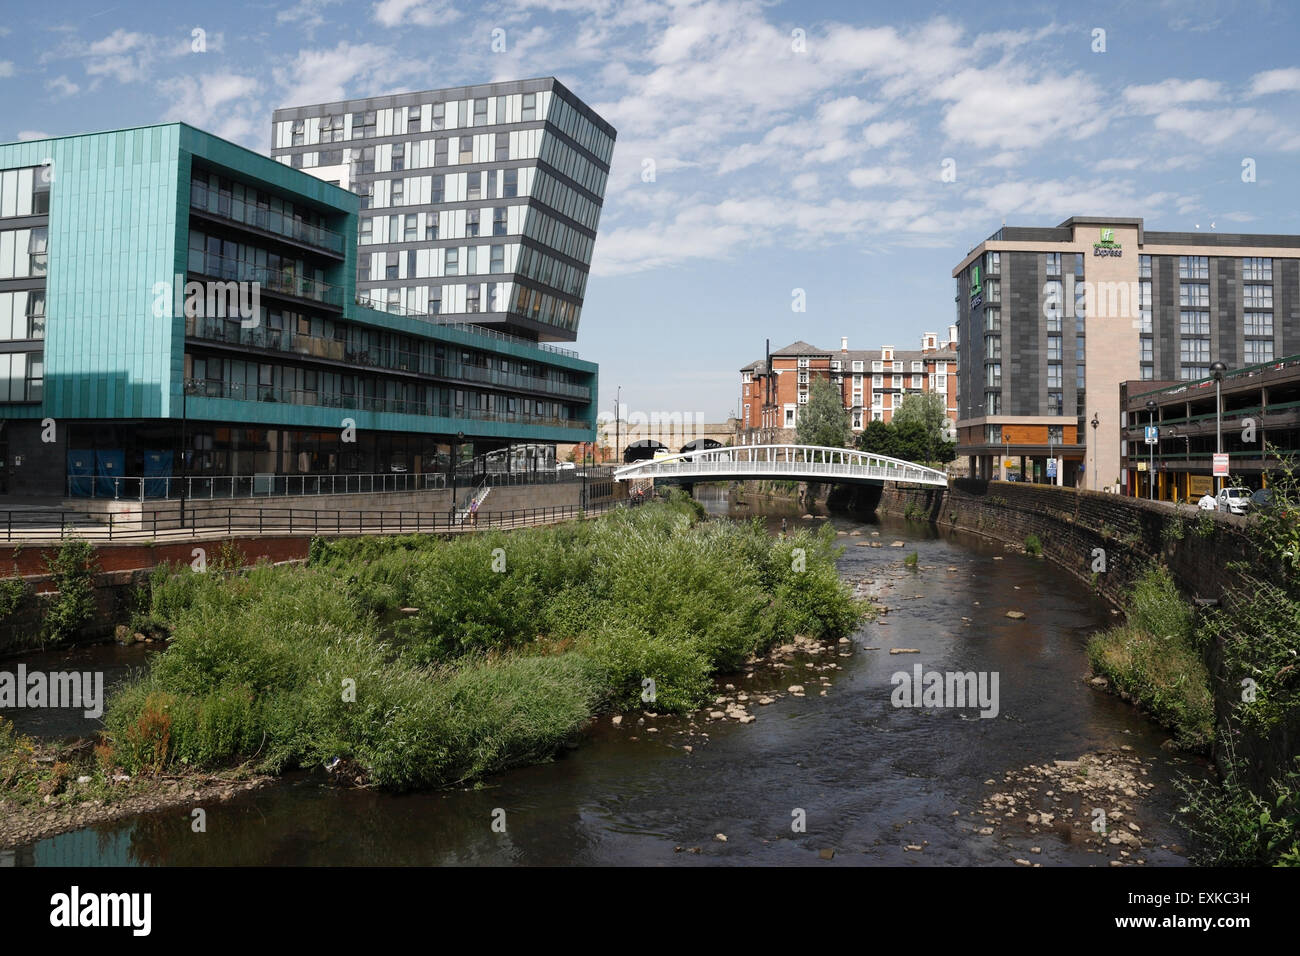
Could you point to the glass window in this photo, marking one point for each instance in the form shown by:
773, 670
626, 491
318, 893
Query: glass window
1053, 260
992, 263
1257, 296
1053, 375
1147, 355
1194, 350
451, 262
511, 183
1193, 267
439, 115
1144, 267
529, 112
1193, 323
1259, 323
1194, 295
1259, 350
1257, 269
466, 151
499, 221
1054, 348
498, 261
471, 222
472, 298
480, 112
992, 320
502, 146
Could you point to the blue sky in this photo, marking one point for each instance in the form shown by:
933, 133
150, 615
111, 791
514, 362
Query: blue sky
781, 160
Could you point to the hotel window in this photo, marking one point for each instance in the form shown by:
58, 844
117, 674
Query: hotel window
1256, 269
471, 222
992, 320
1054, 375
37, 249
1193, 267
367, 226
392, 266
1194, 323
363, 267
1055, 403
398, 193
1053, 260
413, 119
1146, 343
451, 262
993, 434
1053, 304
1144, 306
1194, 295
1148, 372
993, 347
499, 221
992, 291
993, 403
1259, 323
1056, 434
877, 366
331, 129
439, 115
992, 263
1257, 296
1053, 348
511, 180
916, 381
857, 366
1194, 351
412, 226
529, 109
1078, 265
1259, 350
494, 304
1190, 373
918, 367
1080, 301
898, 366
497, 262
877, 399
471, 261
993, 375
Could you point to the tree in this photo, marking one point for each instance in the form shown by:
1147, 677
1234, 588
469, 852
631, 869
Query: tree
877, 438
929, 410
823, 421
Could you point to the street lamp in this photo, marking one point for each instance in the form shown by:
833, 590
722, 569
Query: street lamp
1095, 423
1151, 448
1217, 369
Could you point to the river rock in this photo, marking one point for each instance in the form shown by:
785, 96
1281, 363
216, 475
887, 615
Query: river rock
720, 837
716, 715
617, 719
905, 650
1016, 615
898, 544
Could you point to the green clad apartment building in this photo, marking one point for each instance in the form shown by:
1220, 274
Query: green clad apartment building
172, 304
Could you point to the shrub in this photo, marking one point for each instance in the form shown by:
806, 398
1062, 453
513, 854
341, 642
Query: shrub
1033, 545
73, 569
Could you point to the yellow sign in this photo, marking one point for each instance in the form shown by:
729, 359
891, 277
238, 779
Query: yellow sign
1008, 463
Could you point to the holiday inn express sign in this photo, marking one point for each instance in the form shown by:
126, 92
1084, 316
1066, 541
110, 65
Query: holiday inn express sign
1107, 246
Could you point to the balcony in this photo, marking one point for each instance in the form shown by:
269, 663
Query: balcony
270, 280
212, 203
310, 399
478, 330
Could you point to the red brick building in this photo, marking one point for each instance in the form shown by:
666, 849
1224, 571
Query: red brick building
872, 383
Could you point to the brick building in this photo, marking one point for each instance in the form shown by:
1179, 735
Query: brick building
872, 383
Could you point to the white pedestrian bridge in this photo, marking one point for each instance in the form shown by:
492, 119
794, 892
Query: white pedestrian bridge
791, 462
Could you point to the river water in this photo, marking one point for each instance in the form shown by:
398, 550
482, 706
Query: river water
869, 778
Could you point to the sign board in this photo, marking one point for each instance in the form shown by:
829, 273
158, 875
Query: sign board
1153, 434
1051, 468
1008, 463
1142, 466
1221, 466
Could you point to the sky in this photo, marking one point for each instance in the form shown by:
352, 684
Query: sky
845, 156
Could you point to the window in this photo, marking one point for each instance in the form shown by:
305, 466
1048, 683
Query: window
1146, 346
1259, 323
993, 434
399, 157
435, 300
1053, 304
440, 147
993, 375
993, 347
1259, 350
431, 225
1054, 375
1053, 348
480, 112
1148, 373
451, 262
1194, 323
1144, 267
472, 298
397, 195
529, 111
363, 124
1197, 295
466, 151
1055, 403
436, 188
411, 231
363, 267
992, 320
392, 266
37, 249
1193, 267
898, 381
471, 222
511, 183
992, 291
439, 115
992, 263
497, 262
499, 221
1194, 351
471, 261
1056, 434
297, 133
502, 146
367, 225
494, 304
474, 186
1190, 373
1257, 296
992, 404
916, 381
1053, 260
1078, 265
1257, 269
877, 381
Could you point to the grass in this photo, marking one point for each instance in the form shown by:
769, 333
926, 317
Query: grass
1154, 660
518, 640
1033, 545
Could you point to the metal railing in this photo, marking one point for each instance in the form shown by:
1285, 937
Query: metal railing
236, 210
802, 462
163, 524
202, 487
226, 269
480, 330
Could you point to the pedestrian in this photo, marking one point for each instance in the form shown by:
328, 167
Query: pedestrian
473, 512
1207, 502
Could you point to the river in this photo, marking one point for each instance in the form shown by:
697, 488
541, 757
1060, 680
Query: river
868, 779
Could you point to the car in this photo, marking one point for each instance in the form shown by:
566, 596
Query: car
1233, 500
565, 466
1262, 498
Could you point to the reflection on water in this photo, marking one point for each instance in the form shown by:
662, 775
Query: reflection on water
870, 778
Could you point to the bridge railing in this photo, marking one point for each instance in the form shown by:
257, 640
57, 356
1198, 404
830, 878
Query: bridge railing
794, 460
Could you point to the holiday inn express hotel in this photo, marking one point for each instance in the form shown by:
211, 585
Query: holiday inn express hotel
1052, 320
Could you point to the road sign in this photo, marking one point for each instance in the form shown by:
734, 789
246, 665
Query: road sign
1221, 466
1153, 434
1051, 468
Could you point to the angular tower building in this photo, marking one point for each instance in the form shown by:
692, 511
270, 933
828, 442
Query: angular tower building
479, 204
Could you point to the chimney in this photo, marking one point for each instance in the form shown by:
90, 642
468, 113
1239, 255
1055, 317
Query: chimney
844, 343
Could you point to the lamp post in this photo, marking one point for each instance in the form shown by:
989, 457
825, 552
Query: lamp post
1151, 449
1217, 369
1095, 423
185, 470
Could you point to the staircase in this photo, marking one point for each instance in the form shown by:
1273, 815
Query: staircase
478, 496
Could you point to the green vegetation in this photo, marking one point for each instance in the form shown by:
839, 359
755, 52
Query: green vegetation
823, 421
911, 560
1033, 545
1153, 660
517, 641
918, 432
1234, 826
73, 569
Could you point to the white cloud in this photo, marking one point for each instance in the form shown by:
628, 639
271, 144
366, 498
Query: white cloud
61, 86
1275, 81
878, 134
420, 13
347, 71
1009, 109
24, 135
221, 103
6, 68
1157, 97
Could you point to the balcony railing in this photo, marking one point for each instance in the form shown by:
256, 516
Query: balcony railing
479, 330
304, 397
274, 280
390, 359
237, 210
